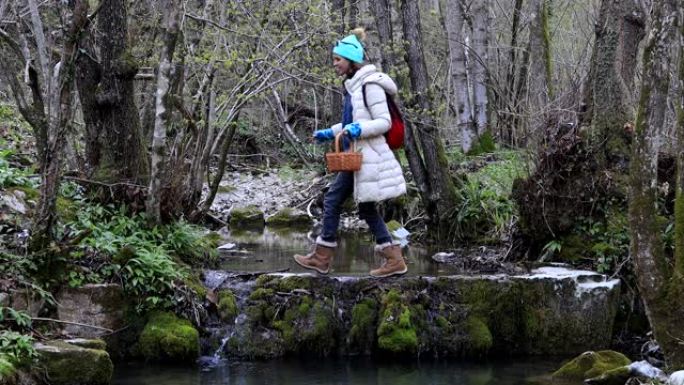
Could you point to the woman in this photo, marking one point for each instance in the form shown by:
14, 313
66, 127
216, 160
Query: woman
380, 176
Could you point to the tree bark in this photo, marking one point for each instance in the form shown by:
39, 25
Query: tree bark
382, 13
122, 153
508, 125
163, 111
661, 287
441, 198
455, 24
619, 30
44, 218
539, 90
478, 63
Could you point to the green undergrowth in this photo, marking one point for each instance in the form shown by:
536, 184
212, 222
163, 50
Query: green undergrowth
117, 246
486, 213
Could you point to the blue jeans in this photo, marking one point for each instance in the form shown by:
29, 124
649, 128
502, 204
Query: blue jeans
341, 189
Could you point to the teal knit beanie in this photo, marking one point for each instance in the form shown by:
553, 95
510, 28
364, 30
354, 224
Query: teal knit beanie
350, 48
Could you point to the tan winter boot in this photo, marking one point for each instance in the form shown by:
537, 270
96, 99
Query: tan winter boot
394, 263
319, 259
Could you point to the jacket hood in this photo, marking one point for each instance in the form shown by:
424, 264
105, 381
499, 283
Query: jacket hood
370, 74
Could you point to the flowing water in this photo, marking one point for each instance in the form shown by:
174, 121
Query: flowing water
356, 371
272, 251
354, 256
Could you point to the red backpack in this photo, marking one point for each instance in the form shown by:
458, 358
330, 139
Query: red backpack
395, 135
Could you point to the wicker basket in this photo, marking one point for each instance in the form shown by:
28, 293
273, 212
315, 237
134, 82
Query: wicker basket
343, 161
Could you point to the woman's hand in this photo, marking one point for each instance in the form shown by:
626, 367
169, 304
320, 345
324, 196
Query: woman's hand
353, 130
323, 135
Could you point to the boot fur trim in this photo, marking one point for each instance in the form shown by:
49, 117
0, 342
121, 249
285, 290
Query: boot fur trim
386, 244
320, 241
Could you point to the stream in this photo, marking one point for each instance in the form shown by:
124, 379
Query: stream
272, 250
357, 371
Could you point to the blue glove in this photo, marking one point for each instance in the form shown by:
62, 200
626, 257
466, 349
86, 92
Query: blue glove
323, 135
353, 130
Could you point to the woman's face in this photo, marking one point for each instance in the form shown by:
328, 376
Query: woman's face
342, 65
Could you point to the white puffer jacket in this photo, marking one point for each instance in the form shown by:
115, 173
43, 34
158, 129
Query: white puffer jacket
380, 176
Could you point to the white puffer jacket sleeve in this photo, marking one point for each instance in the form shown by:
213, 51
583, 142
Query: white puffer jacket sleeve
381, 120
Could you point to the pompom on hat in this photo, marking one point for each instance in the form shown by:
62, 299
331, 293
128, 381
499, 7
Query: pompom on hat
351, 47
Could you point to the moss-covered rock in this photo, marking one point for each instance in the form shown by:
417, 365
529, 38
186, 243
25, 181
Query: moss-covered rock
307, 325
249, 217
288, 217
617, 376
362, 332
96, 344
591, 364
227, 306
396, 333
67, 364
479, 337
167, 338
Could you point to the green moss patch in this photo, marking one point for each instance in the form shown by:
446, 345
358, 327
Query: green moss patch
396, 333
227, 306
288, 217
362, 332
66, 364
479, 336
249, 217
167, 338
591, 364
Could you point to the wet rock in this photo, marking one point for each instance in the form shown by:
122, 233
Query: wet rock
443, 257
249, 217
591, 365
644, 369
26, 300
227, 246
67, 364
167, 338
289, 217
551, 311
100, 305
676, 378
4, 299
88, 343
617, 376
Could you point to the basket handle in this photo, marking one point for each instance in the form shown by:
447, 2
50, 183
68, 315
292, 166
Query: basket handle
338, 138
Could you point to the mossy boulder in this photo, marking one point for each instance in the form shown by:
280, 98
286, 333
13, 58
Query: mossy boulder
480, 338
396, 332
249, 217
591, 364
307, 326
88, 343
167, 338
67, 364
289, 217
227, 306
617, 376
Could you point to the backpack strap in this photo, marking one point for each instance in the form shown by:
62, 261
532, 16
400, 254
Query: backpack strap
363, 90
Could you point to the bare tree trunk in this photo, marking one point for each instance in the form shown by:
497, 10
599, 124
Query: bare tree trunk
661, 288
478, 63
44, 218
455, 24
338, 13
163, 110
679, 188
539, 88
353, 14
441, 195
511, 103
122, 154
382, 13
619, 30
